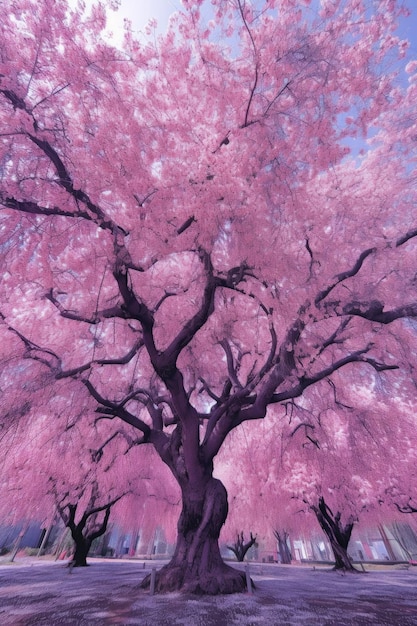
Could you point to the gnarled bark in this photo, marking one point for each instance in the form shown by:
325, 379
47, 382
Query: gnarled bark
197, 566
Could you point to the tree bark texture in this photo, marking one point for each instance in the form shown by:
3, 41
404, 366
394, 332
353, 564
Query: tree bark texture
338, 535
197, 566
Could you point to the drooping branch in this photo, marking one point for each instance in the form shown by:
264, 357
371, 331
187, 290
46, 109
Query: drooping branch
304, 425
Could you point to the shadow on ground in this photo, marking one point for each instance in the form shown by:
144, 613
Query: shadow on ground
45, 593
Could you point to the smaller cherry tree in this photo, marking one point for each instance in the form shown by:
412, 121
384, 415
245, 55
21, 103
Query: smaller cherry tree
91, 525
241, 547
338, 533
61, 470
324, 461
283, 538
332, 464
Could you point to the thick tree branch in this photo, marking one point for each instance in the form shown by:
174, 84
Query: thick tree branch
307, 381
114, 408
33, 208
344, 275
232, 370
73, 373
189, 330
374, 311
65, 181
331, 523
98, 509
133, 307
404, 238
235, 409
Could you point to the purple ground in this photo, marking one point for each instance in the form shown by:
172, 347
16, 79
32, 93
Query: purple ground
41, 592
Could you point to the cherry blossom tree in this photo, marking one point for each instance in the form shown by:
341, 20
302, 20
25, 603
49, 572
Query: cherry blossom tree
283, 537
338, 533
187, 240
240, 547
336, 468
89, 526
52, 464
323, 465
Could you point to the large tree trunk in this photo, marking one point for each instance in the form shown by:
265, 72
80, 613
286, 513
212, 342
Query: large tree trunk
338, 535
197, 566
342, 558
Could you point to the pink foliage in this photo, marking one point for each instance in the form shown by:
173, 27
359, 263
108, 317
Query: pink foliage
202, 226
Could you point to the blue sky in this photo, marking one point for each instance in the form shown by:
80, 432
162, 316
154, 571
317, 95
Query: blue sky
140, 11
